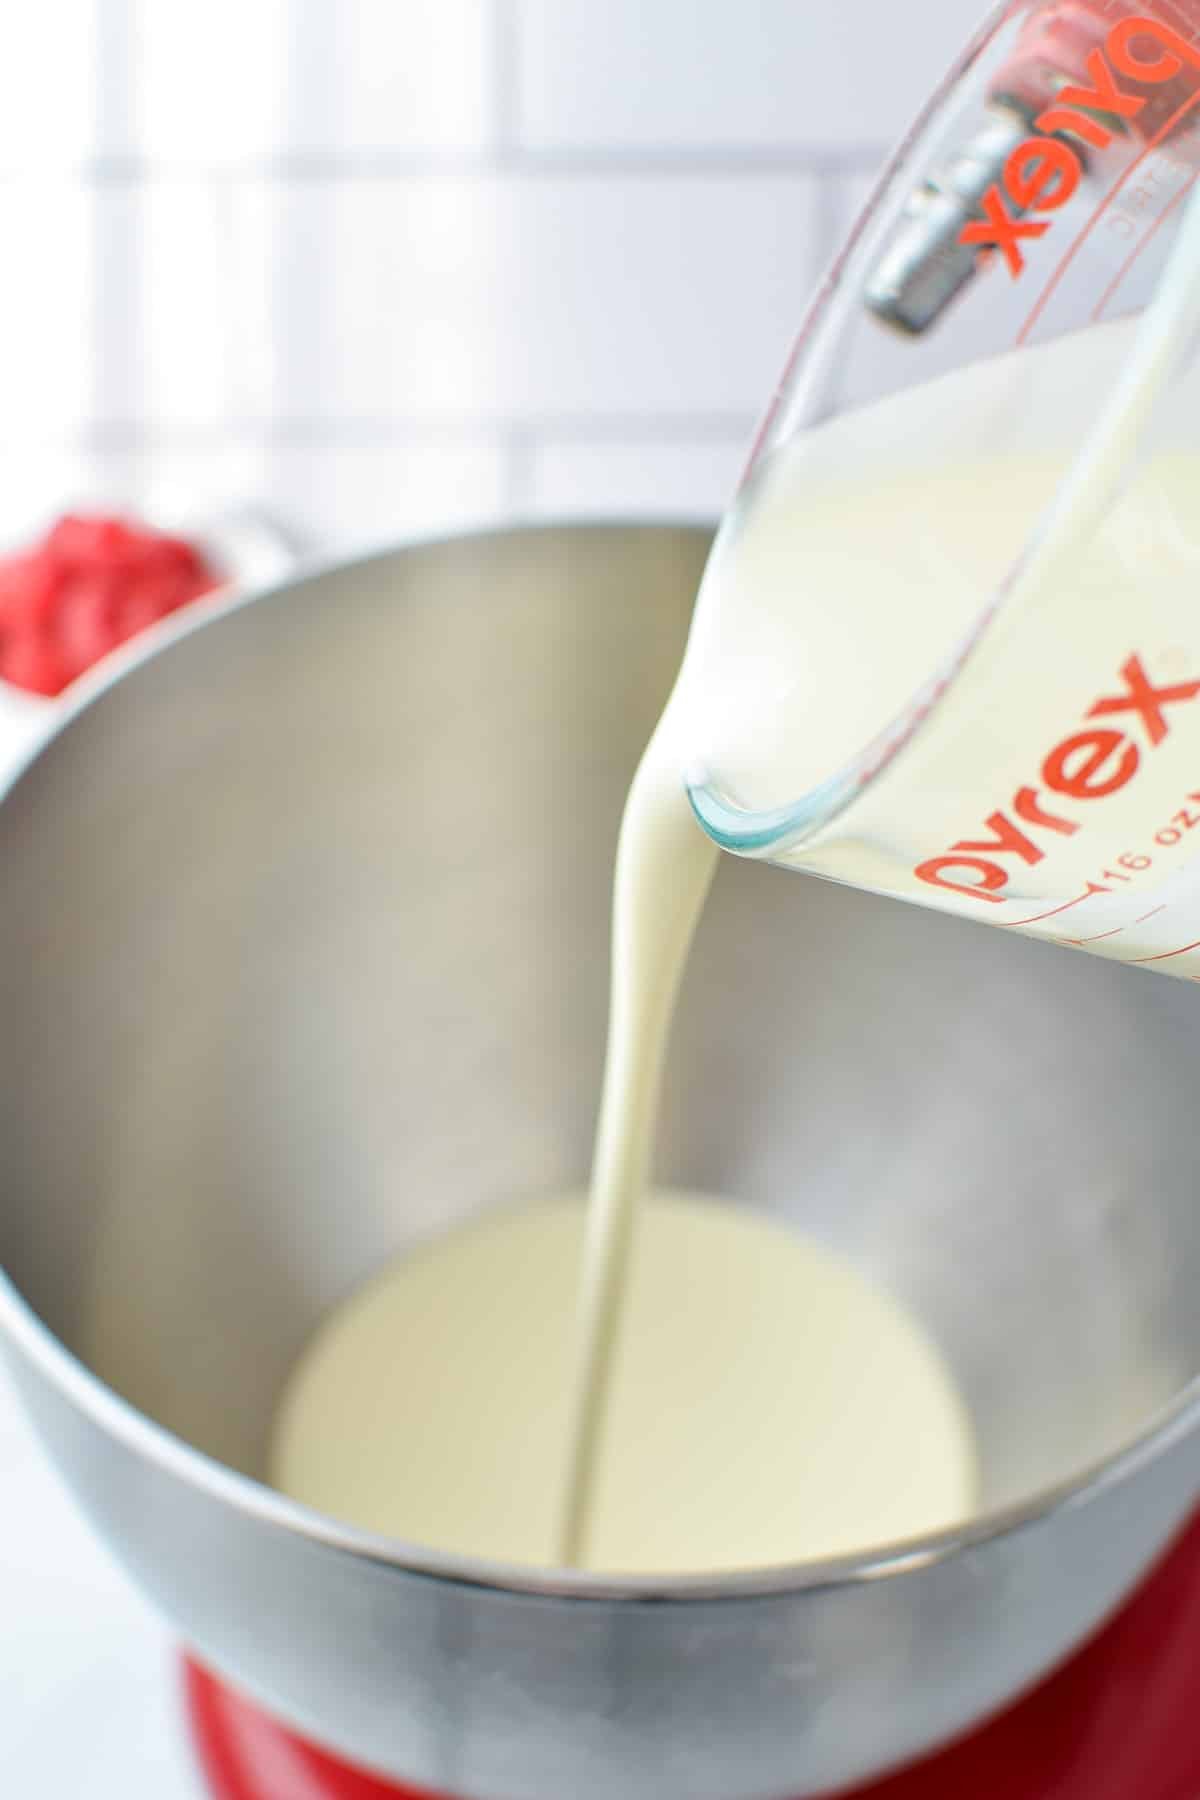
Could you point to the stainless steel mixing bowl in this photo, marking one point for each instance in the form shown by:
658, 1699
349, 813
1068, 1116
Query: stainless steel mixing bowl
303, 940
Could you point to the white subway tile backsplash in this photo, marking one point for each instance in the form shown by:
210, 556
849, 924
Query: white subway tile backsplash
169, 81
682, 74
186, 269
125, 303
173, 291
50, 349
36, 483
189, 301
50, 99
343, 498
209, 82
329, 498
338, 226
228, 81
680, 480
527, 297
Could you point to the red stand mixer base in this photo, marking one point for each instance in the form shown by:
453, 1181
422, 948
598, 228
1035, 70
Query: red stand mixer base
1120, 1721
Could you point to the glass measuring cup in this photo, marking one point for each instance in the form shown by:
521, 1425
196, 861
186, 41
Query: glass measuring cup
948, 642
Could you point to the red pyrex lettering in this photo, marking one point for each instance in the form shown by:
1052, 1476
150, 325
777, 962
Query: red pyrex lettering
1044, 170
1086, 765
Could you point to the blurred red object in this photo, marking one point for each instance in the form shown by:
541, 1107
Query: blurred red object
90, 584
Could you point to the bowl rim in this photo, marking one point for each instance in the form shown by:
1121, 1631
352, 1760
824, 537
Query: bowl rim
33, 1340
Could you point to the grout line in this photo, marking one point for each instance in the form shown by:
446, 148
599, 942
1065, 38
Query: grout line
664, 159
509, 160
130, 435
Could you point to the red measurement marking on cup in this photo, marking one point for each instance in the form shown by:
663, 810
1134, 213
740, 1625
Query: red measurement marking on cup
1052, 914
1078, 943
1166, 955
1176, 119
1140, 248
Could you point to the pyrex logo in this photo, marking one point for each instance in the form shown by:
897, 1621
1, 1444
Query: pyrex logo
1085, 766
1044, 171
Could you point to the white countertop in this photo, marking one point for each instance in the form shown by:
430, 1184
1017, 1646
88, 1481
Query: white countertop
89, 1696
